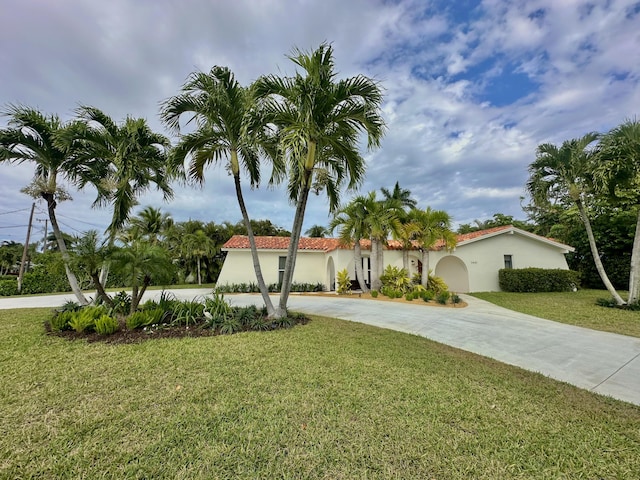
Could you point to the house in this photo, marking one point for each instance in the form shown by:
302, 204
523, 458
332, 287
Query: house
471, 267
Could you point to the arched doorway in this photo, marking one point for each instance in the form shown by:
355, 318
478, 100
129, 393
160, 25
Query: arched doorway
454, 272
331, 275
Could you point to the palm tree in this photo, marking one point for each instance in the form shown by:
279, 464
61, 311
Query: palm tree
151, 224
218, 105
89, 254
197, 246
34, 137
432, 226
619, 150
140, 263
565, 173
401, 195
316, 231
352, 224
136, 158
382, 220
319, 121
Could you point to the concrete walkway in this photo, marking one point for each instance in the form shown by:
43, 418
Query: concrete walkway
601, 362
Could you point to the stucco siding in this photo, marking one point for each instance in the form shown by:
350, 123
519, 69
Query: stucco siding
238, 267
485, 257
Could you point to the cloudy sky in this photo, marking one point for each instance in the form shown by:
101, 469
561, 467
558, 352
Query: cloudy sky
471, 87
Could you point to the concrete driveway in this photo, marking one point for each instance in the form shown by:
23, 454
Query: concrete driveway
601, 362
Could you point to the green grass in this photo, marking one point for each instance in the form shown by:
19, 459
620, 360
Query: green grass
575, 308
331, 399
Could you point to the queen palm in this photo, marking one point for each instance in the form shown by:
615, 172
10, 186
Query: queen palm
34, 137
565, 174
217, 105
619, 173
431, 227
319, 120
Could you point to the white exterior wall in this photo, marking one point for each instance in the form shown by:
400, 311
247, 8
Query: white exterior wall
483, 258
238, 267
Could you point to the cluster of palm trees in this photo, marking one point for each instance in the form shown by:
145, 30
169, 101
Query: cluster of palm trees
596, 168
393, 216
306, 127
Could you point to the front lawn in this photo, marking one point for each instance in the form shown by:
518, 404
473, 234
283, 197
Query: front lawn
575, 308
330, 399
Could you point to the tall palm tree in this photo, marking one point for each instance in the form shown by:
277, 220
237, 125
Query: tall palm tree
619, 173
401, 195
319, 120
136, 158
217, 105
566, 173
432, 226
351, 222
382, 221
34, 137
396, 202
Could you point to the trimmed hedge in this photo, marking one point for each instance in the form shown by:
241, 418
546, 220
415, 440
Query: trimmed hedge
538, 280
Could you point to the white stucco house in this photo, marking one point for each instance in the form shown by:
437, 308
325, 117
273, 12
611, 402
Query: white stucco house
471, 267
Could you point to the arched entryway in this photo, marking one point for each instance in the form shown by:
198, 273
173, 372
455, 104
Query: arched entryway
454, 272
331, 275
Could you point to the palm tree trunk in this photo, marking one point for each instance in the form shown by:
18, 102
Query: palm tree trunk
380, 258
425, 267
405, 260
100, 289
73, 281
634, 273
357, 260
264, 291
375, 265
292, 252
199, 277
596, 255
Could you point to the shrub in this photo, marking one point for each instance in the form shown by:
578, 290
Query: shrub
374, 294
188, 312
455, 298
8, 288
410, 296
344, 282
139, 319
60, 321
245, 315
427, 295
396, 278
106, 325
538, 280
121, 303
216, 310
442, 298
230, 325
435, 284
84, 320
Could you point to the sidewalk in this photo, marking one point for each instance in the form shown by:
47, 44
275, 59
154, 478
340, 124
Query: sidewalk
601, 362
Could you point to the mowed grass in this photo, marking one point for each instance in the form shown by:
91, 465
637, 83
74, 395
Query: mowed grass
331, 399
575, 308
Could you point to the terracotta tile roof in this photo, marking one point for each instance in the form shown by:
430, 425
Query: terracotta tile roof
329, 244
282, 243
464, 237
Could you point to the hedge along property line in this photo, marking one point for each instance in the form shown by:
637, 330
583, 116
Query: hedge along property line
538, 280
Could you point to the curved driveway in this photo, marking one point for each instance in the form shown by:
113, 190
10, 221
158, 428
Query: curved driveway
601, 362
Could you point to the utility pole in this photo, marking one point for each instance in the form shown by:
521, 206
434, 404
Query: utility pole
26, 248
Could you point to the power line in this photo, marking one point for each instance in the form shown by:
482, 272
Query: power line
75, 220
15, 226
14, 211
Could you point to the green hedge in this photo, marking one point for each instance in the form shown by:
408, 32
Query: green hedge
538, 280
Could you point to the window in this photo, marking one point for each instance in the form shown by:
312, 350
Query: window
508, 262
281, 263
